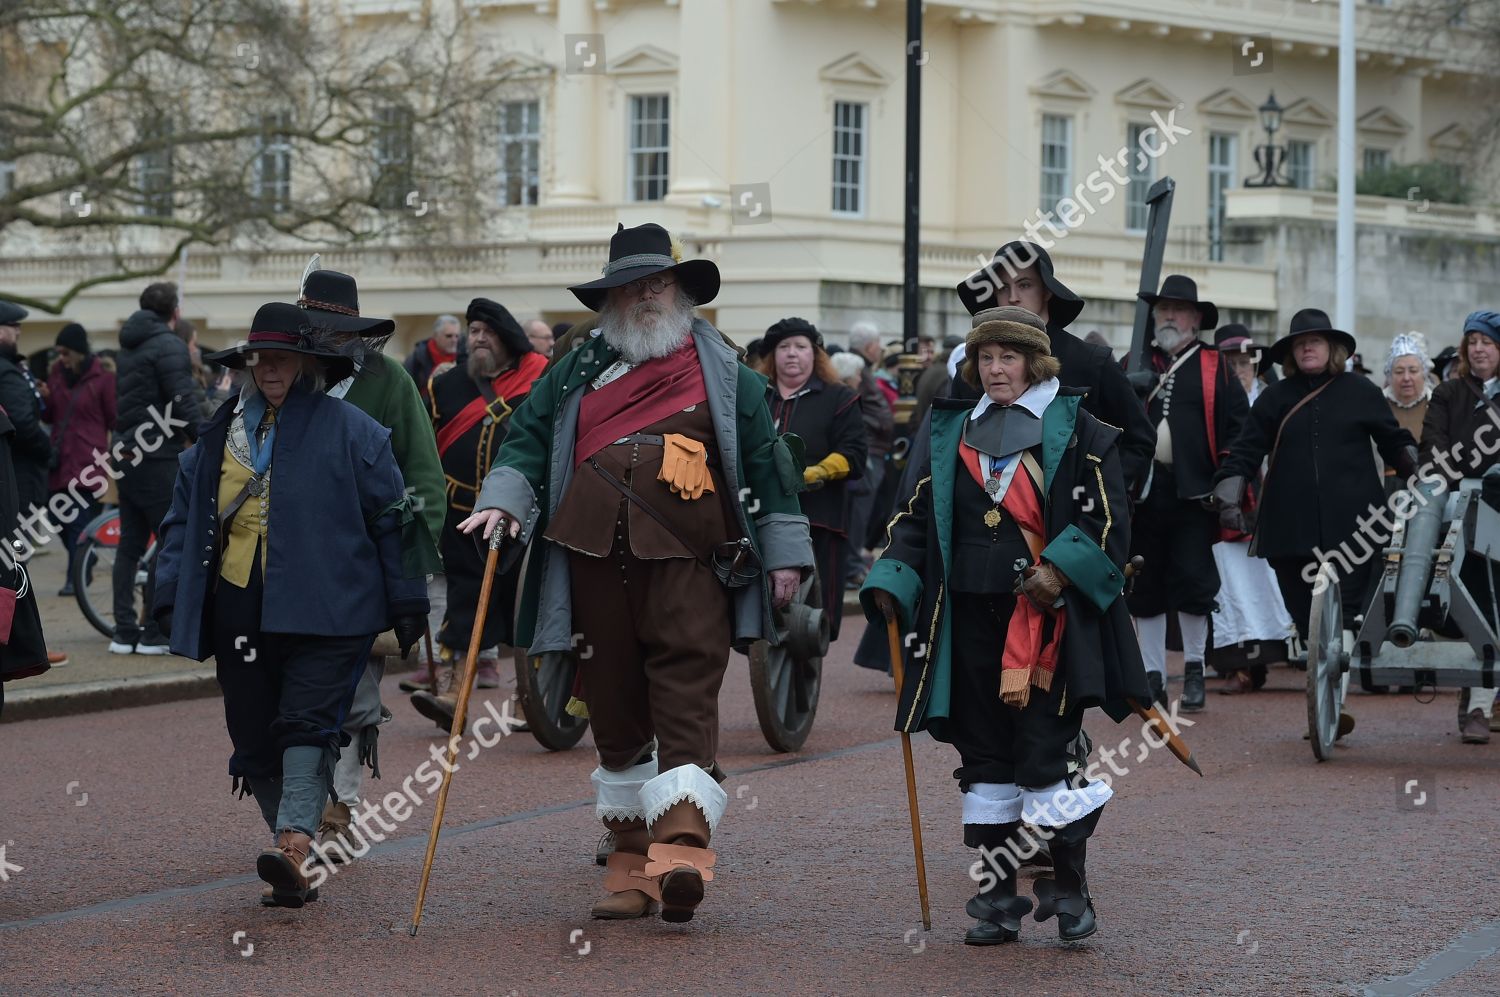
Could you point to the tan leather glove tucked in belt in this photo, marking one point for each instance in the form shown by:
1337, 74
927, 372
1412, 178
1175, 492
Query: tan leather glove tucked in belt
684, 466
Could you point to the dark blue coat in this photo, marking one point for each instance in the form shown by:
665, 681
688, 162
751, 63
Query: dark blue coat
333, 565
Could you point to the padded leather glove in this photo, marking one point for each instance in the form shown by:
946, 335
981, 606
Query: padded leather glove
1043, 583
409, 630
684, 466
1228, 497
831, 468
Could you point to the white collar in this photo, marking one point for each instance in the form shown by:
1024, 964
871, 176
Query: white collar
1034, 399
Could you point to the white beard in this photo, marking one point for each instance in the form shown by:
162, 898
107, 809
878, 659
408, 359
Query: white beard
647, 330
1171, 338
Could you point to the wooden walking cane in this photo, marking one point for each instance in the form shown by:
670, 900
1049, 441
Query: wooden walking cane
466, 684
894, 636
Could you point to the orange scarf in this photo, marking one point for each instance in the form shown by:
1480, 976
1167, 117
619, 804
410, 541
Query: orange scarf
1029, 659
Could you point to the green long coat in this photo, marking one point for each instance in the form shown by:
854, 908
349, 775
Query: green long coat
535, 465
1087, 522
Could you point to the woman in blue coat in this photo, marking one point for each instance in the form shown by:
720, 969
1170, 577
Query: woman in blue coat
282, 557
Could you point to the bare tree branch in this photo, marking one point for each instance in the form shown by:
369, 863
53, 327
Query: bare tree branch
137, 129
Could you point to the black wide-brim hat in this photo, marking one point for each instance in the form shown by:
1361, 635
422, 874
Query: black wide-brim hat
332, 302
979, 290
1180, 288
1306, 322
1235, 338
289, 329
643, 251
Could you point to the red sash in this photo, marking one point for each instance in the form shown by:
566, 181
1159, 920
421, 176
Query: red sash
516, 381
646, 394
1028, 659
436, 354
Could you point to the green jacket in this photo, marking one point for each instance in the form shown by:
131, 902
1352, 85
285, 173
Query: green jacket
535, 464
386, 393
1087, 533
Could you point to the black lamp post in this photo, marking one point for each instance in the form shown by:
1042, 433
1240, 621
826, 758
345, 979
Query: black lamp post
1270, 157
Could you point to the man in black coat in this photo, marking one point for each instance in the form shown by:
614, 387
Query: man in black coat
159, 405
1021, 274
442, 349
1197, 408
31, 448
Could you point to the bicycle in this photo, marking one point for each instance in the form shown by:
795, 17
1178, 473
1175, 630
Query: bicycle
93, 571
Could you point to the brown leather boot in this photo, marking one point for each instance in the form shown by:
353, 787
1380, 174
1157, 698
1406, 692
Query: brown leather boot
333, 833
680, 855
441, 705
281, 866
631, 894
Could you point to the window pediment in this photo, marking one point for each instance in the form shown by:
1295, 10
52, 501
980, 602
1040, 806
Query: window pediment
1147, 93
1063, 85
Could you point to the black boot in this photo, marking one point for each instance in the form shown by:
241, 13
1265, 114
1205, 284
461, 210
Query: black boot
997, 910
1067, 895
1158, 683
1192, 687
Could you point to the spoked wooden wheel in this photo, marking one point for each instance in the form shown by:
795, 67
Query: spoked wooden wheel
545, 684
785, 677
1327, 665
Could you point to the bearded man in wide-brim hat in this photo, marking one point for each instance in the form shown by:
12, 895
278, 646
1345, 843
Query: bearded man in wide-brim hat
380, 387
471, 410
647, 464
1196, 407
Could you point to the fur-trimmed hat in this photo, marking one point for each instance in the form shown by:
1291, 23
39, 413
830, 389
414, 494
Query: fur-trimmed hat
1010, 325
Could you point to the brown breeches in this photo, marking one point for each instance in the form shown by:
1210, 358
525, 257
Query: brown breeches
652, 638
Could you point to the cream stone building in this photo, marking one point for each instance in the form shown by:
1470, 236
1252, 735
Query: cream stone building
769, 135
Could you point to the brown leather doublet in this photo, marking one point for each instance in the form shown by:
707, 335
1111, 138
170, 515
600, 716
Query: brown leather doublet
586, 517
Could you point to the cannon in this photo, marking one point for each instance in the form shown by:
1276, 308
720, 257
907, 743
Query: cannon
1437, 575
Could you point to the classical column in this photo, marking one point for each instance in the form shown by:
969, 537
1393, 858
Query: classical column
702, 111
573, 127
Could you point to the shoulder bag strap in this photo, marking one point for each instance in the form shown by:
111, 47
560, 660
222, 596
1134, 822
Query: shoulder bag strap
645, 507
1276, 446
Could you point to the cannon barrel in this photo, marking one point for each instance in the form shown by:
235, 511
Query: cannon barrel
1422, 533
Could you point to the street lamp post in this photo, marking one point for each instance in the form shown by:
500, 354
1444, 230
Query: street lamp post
1270, 157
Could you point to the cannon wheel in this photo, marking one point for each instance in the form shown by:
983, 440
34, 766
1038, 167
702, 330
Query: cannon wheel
545, 684
1327, 678
786, 687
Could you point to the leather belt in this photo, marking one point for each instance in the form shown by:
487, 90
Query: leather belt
651, 440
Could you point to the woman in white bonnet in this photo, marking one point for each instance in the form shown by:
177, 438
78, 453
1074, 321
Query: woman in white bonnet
1408, 387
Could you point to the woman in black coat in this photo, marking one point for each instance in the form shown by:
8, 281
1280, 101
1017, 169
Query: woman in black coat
807, 398
1322, 478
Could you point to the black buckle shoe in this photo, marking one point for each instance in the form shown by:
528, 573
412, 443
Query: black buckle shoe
1158, 685
1192, 687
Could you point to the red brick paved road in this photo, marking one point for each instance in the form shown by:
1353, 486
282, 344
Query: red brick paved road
1273, 875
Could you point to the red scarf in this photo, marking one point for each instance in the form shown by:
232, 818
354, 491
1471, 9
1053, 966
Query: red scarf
435, 352
1029, 658
644, 395
507, 384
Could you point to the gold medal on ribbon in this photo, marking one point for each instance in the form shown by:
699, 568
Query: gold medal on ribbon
992, 518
